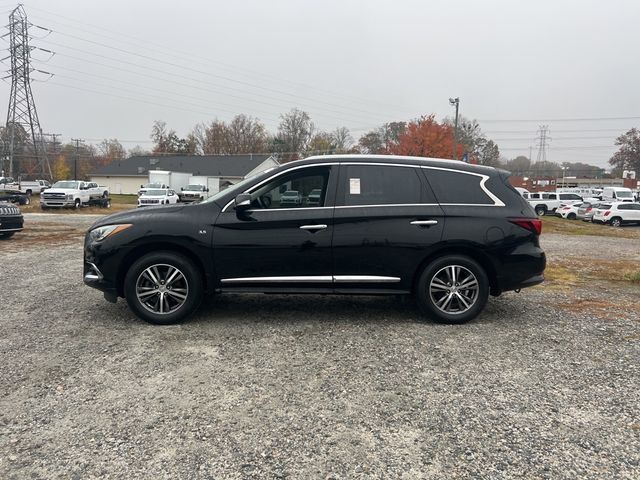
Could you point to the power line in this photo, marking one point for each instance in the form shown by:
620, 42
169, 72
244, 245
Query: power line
165, 48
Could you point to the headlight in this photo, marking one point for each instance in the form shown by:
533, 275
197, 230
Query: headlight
100, 233
69, 196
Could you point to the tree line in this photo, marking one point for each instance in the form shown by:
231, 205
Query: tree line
297, 136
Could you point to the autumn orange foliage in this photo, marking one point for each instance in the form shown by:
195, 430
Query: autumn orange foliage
426, 138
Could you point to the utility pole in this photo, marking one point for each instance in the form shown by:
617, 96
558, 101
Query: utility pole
455, 102
23, 124
542, 139
75, 160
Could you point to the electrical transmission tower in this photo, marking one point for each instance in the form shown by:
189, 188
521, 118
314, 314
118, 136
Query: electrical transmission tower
23, 126
542, 139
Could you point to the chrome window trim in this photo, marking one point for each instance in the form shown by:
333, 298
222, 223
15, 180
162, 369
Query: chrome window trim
272, 177
496, 200
314, 279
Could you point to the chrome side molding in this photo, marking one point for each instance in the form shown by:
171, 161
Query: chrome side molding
315, 279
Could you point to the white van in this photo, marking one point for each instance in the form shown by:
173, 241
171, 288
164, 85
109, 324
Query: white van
617, 194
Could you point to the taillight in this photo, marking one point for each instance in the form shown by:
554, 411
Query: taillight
534, 225
566, 208
588, 209
607, 213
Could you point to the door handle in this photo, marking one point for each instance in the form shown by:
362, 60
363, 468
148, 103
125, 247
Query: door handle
424, 223
320, 226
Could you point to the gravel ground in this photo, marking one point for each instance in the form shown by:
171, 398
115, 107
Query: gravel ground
314, 387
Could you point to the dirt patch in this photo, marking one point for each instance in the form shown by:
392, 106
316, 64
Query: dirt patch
42, 235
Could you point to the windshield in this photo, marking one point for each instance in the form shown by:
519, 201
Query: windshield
153, 185
155, 192
194, 187
623, 194
65, 185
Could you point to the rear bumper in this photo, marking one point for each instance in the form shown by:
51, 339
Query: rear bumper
521, 268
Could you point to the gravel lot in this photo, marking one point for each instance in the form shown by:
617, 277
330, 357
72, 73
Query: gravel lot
543, 385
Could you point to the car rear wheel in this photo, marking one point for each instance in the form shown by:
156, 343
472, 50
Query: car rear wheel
571, 216
163, 288
453, 289
541, 210
616, 222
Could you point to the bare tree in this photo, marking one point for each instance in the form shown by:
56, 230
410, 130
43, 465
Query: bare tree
342, 139
294, 134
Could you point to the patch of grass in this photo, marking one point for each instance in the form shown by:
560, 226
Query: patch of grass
578, 227
124, 199
633, 277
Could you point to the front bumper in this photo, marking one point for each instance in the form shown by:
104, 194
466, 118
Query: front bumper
12, 223
58, 203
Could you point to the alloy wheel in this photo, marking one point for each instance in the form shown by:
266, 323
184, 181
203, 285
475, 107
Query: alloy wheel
162, 289
454, 289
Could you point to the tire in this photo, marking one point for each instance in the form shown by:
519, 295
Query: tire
541, 210
29, 192
616, 222
25, 200
105, 194
572, 216
5, 235
432, 288
77, 204
162, 266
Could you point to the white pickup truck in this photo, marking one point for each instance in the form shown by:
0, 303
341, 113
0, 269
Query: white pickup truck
97, 191
545, 203
29, 187
67, 193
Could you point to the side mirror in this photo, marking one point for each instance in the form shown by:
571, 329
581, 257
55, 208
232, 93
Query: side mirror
141, 186
182, 189
242, 202
206, 190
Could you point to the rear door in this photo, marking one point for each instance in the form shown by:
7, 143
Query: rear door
386, 219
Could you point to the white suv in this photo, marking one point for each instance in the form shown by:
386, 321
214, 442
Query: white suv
617, 214
157, 196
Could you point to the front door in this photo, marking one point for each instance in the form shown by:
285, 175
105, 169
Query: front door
284, 240
385, 222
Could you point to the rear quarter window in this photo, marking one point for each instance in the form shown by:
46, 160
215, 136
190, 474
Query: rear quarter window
451, 187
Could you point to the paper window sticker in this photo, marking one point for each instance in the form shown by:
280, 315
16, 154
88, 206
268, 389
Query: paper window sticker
354, 186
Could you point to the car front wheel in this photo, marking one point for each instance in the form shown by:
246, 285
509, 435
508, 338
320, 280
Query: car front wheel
541, 211
163, 287
453, 289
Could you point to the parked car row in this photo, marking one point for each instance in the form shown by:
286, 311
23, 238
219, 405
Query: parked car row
546, 203
612, 213
27, 187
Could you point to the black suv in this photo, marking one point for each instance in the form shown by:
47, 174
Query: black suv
11, 220
447, 232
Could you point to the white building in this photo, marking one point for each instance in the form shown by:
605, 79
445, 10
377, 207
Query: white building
219, 171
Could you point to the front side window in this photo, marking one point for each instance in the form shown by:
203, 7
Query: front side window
381, 185
302, 188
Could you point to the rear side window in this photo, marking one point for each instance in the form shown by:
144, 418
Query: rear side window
624, 207
569, 196
381, 185
453, 187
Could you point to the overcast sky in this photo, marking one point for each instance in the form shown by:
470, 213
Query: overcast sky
120, 65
